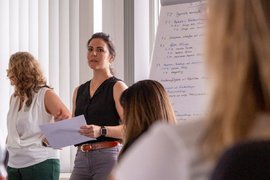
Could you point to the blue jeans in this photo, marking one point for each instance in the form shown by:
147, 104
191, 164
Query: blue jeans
95, 165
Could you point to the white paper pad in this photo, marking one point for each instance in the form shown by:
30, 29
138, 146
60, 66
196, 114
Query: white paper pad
65, 132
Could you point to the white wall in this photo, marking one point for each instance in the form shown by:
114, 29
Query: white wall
140, 22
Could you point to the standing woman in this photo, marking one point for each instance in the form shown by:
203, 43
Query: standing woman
32, 104
98, 101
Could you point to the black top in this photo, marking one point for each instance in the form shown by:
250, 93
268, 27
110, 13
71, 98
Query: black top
100, 109
249, 160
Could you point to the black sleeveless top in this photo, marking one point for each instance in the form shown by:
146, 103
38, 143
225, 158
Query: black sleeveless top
100, 109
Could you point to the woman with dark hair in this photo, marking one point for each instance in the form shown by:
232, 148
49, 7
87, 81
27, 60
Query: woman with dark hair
98, 101
144, 103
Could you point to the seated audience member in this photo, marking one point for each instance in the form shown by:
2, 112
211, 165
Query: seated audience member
238, 61
144, 103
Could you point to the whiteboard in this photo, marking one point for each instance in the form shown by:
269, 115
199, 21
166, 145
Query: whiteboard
177, 60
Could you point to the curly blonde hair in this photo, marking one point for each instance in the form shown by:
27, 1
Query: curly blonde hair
26, 75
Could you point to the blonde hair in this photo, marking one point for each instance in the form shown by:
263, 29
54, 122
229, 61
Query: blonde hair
238, 58
26, 74
145, 103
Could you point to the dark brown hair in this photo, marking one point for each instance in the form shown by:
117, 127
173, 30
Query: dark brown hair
144, 103
106, 38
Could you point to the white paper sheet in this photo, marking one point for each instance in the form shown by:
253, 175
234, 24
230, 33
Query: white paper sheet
65, 133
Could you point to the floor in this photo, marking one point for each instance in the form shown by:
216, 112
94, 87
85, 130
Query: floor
64, 176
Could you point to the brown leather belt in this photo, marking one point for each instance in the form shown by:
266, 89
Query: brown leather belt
98, 145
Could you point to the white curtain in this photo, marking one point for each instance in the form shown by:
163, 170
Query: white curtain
55, 32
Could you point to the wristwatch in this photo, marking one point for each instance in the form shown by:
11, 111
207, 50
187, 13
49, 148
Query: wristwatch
103, 131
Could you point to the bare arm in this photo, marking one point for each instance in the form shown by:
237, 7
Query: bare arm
74, 101
118, 89
117, 131
55, 106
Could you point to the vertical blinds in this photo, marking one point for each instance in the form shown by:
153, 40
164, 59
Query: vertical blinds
55, 32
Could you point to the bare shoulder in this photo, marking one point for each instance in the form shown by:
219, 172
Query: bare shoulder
50, 94
120, 86
51, 97
76, 90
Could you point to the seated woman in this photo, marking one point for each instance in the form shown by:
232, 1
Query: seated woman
144, 103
